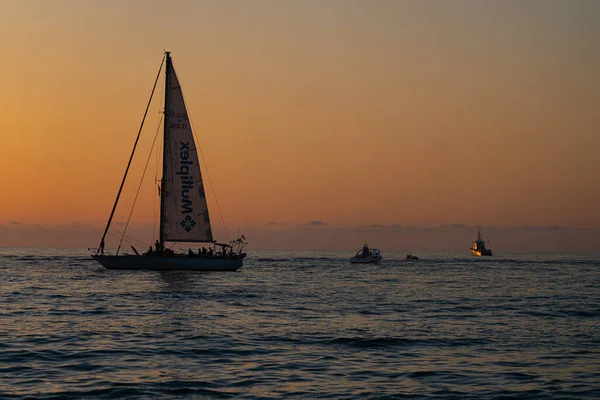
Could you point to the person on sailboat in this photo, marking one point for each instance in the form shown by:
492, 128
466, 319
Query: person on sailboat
158, 247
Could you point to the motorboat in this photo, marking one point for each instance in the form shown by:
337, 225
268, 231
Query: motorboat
367, 256
478, 249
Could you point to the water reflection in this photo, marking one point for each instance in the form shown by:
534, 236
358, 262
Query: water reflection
180, 281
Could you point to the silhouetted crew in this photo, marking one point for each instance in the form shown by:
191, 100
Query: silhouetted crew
365, 251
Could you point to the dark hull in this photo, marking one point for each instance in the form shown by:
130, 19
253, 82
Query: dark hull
368, 260
174, 263
481, 253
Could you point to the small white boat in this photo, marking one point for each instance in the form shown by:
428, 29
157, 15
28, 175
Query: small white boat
367, 256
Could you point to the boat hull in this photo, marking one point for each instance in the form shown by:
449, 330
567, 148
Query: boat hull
480, 253
175, 263
368, 260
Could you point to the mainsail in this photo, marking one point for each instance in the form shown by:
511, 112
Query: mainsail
184, 209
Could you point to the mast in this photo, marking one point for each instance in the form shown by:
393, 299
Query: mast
163, 195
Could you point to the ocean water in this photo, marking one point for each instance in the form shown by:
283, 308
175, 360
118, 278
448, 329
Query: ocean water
302, 325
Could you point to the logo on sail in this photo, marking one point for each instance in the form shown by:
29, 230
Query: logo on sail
188, 223
187, 180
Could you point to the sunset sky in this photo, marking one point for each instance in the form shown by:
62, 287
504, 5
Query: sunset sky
415, 113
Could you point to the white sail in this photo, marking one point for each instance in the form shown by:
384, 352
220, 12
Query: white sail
185, 213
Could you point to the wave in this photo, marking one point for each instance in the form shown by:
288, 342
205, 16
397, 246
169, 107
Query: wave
402, 342
172, 389
14, 257
378, 342
565, 313
300, 259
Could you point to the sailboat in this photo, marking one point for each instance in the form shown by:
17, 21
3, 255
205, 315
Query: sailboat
184, 214
478, 248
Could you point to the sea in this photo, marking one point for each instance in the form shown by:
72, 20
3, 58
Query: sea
302, 325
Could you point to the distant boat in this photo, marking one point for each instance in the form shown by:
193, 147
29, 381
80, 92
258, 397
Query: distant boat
367, 256
478, 248
411, 257
183, 208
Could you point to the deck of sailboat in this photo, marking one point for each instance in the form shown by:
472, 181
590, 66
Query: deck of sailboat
170, 263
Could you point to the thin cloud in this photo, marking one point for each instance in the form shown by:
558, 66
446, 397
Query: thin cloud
25, 225
80, 225
317, 223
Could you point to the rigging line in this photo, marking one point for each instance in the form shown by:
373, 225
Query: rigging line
155, 211
205, 164
114, 230
112, 213
118, 234
140, 185
209, 179
154, 207
127, 241
131, 242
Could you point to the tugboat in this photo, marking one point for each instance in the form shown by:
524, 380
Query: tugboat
478, 249
366, 256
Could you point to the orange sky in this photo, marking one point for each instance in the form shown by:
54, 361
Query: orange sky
348, 112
